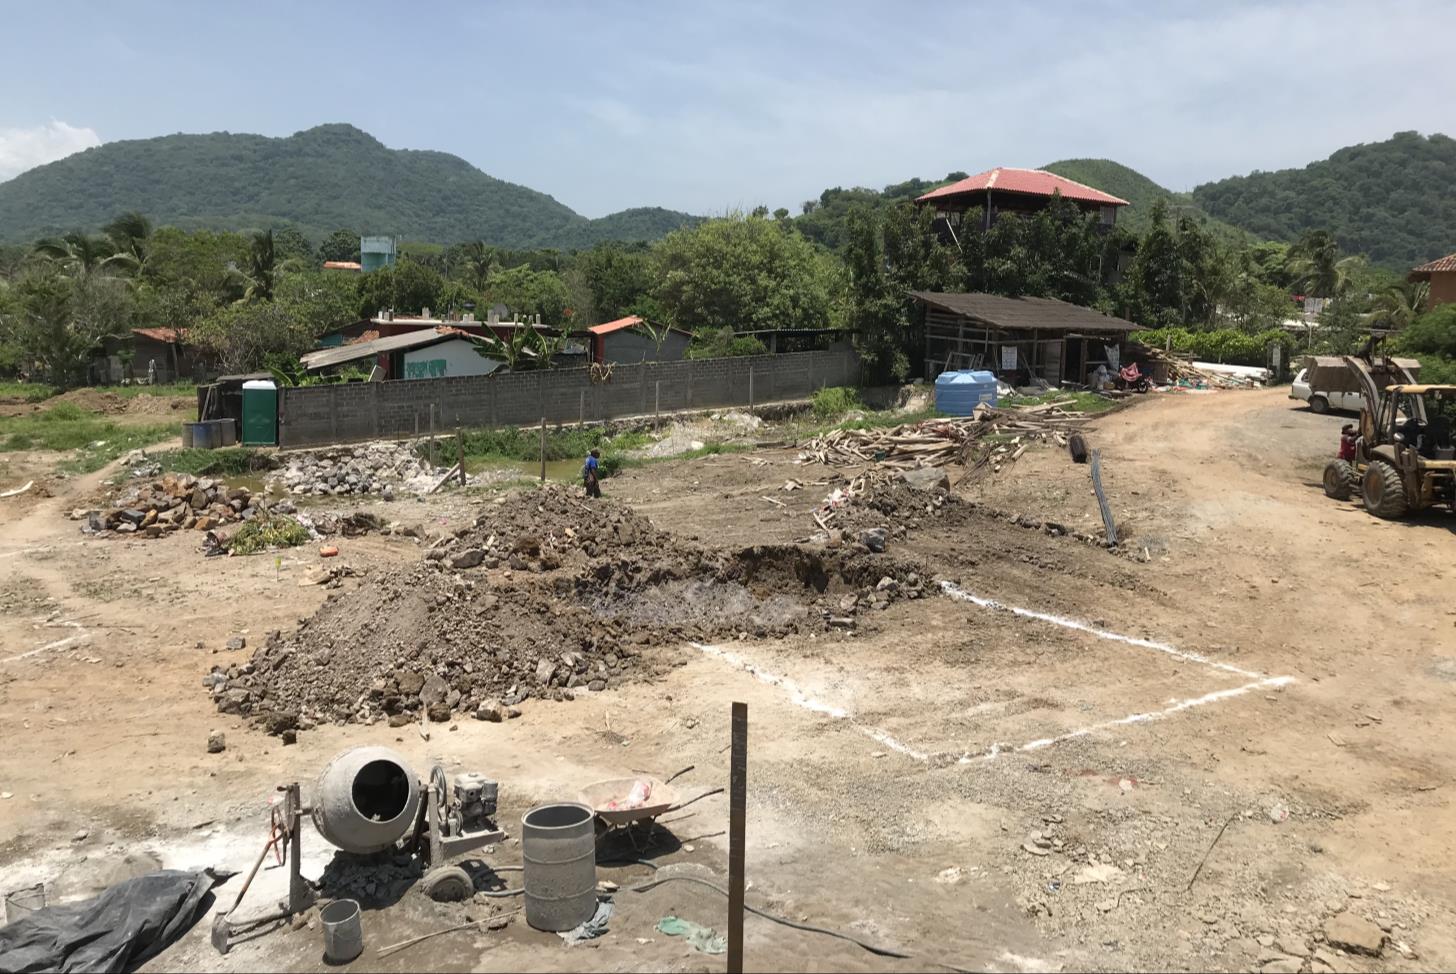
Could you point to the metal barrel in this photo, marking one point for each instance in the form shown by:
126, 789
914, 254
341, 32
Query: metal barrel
343, 933
559, 850
366, 799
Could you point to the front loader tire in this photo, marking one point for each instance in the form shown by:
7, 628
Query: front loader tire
1382, 491
1340, 480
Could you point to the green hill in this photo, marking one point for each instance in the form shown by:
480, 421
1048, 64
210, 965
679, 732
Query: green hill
319, 180
1140, 191
1394, 201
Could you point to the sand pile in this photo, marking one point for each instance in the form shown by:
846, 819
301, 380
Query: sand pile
546, 595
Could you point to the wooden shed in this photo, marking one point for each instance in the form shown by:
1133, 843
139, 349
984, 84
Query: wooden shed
1019, 339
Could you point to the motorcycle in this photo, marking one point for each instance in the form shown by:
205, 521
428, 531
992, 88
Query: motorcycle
1131, 378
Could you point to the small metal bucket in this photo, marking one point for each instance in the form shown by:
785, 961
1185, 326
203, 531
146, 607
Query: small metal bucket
343, 934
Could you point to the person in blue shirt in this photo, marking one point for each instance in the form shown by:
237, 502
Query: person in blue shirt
590, 474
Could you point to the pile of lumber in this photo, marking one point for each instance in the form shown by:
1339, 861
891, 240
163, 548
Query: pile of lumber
1181, 371
936, 442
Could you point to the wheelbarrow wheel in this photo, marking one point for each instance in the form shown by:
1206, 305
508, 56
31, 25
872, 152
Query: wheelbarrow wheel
448, 884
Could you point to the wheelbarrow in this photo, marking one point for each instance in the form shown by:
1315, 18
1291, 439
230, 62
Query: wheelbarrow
621, 803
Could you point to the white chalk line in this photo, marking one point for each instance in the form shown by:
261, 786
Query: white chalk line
801, 699
79, 637
956, 592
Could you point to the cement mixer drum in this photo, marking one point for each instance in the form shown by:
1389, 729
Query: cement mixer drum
366, 799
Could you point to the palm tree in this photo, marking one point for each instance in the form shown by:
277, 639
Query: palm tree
1316, 265
129, 234
262, 266
477, 258
81, 255
1398, 306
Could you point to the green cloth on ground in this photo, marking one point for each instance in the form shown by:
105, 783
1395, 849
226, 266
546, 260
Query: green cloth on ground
700, 938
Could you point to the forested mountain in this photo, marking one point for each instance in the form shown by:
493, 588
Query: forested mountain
319, 180
1140, 191
1394, 201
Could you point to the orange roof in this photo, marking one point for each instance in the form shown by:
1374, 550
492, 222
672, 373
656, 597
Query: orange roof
343, 265
165, 335
1447, 263
607, 327
1032, 182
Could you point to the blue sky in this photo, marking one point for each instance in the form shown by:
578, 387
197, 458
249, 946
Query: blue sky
704, 107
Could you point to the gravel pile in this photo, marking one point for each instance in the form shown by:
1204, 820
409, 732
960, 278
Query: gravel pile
546, 595
382, 468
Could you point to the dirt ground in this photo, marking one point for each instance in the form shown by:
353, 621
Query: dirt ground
1189, 754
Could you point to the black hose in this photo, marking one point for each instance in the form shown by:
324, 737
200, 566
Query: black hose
784, 921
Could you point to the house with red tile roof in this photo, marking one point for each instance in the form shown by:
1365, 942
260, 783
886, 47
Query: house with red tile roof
1441, 273
1021, 191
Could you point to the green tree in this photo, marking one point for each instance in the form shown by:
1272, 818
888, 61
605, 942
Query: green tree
528, 292
129, 234
56, 323
1431, 333
746, 273
319, 301
253, 336
408, 287
1398, 305
473, 262
82, 254
262, 265
339, 245
292, 247
619, 278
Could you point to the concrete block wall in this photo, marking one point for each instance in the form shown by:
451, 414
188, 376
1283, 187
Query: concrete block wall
320, 415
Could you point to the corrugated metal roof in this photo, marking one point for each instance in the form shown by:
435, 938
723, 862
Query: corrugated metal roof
1447, 263
325, 357
166, 335
1029, 314
607, 327
1033, 182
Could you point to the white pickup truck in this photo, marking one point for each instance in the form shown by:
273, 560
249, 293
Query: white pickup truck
1326, 382
1323, 400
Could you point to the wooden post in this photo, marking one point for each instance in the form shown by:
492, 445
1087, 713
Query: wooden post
581, 407
657, 404
541, 387
434, 459
750, 390
460, 454
737, 811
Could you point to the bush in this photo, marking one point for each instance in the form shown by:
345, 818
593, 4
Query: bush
268, 531
724, 343
836, 401
1225, 345
226, 462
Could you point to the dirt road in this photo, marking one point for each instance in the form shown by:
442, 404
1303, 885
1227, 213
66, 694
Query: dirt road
967, 783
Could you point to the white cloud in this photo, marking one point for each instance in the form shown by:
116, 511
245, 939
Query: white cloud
22, 148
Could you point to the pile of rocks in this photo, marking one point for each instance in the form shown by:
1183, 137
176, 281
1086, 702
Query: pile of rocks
381, 468
173, 503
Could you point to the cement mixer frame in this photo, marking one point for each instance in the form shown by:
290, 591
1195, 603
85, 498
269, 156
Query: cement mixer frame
355, 791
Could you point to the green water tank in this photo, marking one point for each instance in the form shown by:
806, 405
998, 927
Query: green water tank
260, 413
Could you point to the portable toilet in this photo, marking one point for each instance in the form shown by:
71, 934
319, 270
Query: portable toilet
959, 393
260, 413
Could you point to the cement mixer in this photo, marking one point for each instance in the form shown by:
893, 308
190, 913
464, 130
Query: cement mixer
367, 800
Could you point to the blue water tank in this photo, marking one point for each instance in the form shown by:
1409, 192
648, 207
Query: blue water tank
959, 393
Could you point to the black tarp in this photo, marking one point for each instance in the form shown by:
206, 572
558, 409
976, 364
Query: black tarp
115, 931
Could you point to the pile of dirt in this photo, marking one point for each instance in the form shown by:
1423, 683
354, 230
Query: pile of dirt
545, 595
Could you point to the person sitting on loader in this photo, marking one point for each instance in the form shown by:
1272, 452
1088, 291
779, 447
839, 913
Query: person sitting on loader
1348, 436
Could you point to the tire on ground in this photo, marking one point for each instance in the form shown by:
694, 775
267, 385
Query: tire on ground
1382, 490
1340, 480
